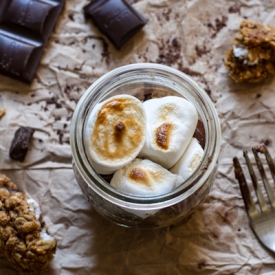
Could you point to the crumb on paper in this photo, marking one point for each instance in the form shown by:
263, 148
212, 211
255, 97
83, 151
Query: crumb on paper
2, 112
252, 56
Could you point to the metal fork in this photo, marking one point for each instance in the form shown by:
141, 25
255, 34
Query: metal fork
263, 221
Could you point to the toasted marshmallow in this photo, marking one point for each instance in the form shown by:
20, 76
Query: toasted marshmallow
189, 161
240, 51
144, 177
34, 207
171, 123
115, 133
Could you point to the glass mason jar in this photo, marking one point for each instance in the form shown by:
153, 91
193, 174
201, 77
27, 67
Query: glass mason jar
145, 80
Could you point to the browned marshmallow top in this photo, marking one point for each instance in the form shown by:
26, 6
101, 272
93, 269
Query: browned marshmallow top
144, 177
164, 131
118, 130
139, 176
162, 135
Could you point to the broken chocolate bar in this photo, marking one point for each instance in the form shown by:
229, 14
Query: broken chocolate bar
117, 19
20, 143
25, 27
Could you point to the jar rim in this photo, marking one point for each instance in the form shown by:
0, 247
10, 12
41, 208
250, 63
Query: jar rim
93, 95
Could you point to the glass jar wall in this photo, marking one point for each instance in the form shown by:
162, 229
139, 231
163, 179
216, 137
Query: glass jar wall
144, 81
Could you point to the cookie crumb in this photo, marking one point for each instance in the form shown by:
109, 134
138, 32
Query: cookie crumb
2, 112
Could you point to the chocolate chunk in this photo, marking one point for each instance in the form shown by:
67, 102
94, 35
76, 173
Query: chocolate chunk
117, 19
25, 27
20, 143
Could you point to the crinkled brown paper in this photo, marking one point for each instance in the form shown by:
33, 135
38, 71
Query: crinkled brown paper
190, 35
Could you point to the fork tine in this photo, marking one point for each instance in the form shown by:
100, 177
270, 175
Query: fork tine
258, 191
248, 201
269, 161
267, 186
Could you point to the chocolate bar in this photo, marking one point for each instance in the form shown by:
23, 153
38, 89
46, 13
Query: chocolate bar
117, 19
20, 143
25, 27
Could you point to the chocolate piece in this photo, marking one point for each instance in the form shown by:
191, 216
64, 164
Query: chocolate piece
15, 55
200, 134
20, 143
25, 27
29, 14
117, 19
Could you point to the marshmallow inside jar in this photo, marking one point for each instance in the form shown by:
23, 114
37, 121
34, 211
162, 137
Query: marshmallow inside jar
189, 161
115, 133
143, 177
171, 123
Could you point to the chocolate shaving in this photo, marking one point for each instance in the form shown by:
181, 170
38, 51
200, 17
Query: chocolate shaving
234, 9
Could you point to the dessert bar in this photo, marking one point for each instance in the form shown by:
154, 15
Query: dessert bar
252, 56
24, 241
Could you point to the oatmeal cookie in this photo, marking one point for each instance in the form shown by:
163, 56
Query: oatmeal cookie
252, 56
24, 241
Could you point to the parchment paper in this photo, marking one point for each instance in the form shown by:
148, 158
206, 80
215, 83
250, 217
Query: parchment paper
217, 238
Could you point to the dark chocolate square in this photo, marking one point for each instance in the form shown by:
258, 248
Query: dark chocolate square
117, 19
